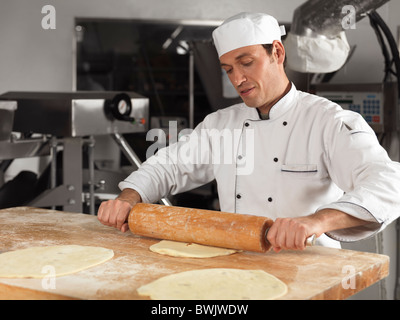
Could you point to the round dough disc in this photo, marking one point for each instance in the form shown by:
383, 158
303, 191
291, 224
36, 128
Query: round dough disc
38, 262
189, 250
216, 284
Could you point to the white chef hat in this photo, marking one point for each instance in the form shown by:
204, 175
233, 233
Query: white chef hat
246, 29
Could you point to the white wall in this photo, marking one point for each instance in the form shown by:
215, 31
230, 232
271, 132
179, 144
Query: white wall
34, 59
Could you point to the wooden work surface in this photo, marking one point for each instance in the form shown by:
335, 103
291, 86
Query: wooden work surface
316, 273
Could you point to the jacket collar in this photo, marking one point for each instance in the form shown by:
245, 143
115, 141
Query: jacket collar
279, 108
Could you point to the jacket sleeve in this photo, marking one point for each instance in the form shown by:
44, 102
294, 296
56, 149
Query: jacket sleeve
360, 166
180, 167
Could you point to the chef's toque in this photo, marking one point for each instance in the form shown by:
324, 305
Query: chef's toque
246, 29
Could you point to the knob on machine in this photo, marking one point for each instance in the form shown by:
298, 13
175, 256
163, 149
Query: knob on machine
120, 108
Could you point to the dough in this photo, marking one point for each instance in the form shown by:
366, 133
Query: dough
216, 284
38, 262
189, 250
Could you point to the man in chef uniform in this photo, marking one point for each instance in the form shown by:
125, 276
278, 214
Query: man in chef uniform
312, 167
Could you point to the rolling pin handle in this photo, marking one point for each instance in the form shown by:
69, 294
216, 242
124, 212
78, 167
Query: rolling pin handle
310, 241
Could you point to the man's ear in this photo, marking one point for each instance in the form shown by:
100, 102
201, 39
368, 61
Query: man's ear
278, 52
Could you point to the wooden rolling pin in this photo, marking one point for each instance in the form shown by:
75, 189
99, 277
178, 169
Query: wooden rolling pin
212, 228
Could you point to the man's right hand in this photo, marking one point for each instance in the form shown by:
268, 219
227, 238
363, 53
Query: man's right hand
114, 213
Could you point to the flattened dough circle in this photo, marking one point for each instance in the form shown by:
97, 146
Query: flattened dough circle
189, 250
65, 259
216, 284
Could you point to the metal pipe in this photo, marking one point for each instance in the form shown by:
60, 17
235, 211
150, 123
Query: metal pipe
91, 143
132, 157
53, 165
126, 149
191, 88
379, 249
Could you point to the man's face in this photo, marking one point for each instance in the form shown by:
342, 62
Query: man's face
254, 74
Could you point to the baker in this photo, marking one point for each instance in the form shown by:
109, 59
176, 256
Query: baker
299, 159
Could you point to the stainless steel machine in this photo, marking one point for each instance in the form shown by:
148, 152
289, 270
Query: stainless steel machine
43, 123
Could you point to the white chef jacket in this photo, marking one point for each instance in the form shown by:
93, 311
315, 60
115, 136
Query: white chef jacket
311, 154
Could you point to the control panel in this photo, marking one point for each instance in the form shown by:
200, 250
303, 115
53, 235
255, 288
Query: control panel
368, 104
377, 103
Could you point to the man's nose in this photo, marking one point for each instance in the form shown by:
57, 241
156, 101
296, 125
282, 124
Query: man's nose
239, 78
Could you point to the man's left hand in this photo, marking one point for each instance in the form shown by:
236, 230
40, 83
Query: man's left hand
292, 233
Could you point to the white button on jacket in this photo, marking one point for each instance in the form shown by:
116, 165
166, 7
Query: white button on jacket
311, 154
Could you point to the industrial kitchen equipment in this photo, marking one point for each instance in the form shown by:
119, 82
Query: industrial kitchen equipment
45, 122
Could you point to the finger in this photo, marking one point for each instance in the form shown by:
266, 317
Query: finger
281, 239
120, 220
122, 214
283, 233
271, 235
276, 234
290, 237
113, 212
102, 215
100, 212
109, 213
301, 238
276, 249
125, 227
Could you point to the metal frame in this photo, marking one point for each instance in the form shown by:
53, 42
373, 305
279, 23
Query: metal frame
69, 193
132, 157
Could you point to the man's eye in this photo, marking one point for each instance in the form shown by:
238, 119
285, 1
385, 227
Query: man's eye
228, 71
247, 64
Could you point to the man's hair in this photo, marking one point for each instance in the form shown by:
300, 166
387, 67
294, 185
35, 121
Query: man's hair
269, 48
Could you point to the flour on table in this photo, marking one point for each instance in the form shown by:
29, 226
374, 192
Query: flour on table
38, 262
215, 284
189, 250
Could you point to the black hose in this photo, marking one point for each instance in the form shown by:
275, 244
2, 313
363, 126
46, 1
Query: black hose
385, 52
392, 44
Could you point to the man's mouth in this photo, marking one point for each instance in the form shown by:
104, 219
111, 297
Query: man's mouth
246, 92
